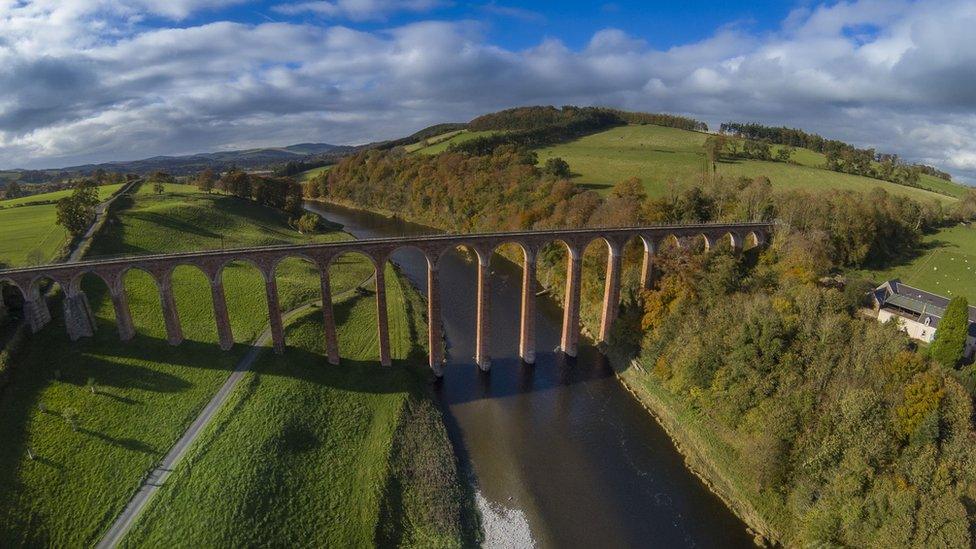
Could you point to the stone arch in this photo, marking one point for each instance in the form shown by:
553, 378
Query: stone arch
352, 291
145, 303
432, 260
273, 271
754, 239
240, 260
706, 240
243, 282
74, 285
15, 284
669, 240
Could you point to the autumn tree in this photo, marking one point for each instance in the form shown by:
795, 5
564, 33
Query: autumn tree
556, 167
950, 337
13, 191
205, 180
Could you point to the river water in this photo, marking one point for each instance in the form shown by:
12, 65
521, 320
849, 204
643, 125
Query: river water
560, 453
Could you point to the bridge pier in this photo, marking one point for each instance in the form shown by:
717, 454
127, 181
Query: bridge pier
611, 294
527, 319
36, 311
571, 303
78, 317
647, 268
123, 316
434, 338
171, 316
274, 313
482, 353
224, 333
328, 316
382, 320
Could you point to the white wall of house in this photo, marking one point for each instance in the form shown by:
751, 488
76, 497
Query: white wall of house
919, 330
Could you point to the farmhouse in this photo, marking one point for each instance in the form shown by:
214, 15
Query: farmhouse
917, 312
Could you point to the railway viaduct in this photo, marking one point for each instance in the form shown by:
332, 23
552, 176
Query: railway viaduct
80, 321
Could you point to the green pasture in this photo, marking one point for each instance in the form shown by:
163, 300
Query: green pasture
145, 391
946, 264
659, 155
301, 454
440, 143
30, 234
309, 174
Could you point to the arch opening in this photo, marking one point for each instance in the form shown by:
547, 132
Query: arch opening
353, 278
144, 296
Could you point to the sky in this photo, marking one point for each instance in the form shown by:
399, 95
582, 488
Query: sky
98, 80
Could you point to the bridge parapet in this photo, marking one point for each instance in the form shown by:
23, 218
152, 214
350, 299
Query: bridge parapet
267, 259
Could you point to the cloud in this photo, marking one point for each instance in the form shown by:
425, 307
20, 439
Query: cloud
88, 81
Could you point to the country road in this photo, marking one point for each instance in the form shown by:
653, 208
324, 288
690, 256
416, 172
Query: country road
157, 477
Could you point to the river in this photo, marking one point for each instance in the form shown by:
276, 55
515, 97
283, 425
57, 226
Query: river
560, 454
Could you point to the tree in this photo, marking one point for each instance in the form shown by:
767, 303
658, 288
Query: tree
77, 211
13, 191
950, 336
308, 223
556, 167
158, 187
205, 180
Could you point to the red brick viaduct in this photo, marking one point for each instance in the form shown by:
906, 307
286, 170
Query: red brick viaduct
80, 321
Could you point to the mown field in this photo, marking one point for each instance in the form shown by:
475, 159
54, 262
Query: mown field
945, 266
146, 392
309, 174
440, 143
659, 155
30, 234
301, 454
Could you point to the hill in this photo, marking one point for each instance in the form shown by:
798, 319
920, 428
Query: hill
659, 155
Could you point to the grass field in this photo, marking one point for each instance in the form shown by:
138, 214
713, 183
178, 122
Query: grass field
946, 265
440, 143
30, 233
658, 155
309, 174
300, 456
147, 391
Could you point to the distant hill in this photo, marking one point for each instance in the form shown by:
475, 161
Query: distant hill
247, 158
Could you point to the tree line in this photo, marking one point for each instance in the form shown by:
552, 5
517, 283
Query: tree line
840, 156
534, 127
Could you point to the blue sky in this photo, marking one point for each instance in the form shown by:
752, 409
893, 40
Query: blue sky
99, 80
517, 25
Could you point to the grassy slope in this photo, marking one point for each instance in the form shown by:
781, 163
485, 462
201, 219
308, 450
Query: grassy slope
309, 174
29, 228
148, 391
946, 266
658, 155
301, 454
440, 143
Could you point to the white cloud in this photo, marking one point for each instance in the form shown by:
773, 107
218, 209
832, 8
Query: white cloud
84, 81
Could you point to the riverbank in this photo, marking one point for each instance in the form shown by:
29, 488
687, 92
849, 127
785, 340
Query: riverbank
693, 442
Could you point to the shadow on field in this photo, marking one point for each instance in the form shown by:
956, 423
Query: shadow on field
907, 257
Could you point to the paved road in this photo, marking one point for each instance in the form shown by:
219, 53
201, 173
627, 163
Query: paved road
157, 477
100, 211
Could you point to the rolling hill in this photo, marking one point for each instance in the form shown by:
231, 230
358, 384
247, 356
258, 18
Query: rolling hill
659, 155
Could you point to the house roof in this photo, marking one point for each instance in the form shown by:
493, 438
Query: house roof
926, 305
